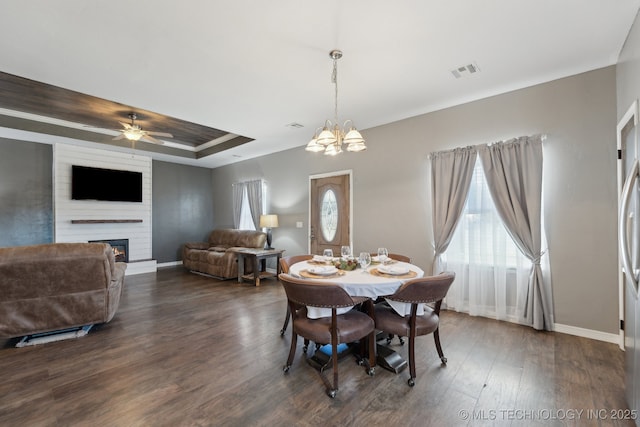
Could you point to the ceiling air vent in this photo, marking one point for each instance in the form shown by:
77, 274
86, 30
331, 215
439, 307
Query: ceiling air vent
465, 70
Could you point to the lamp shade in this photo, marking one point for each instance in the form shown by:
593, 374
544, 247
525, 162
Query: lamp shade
268, 221
353, 137
314, 147
355, 147
326, 137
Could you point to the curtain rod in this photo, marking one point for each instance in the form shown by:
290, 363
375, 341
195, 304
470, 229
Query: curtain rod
543, 137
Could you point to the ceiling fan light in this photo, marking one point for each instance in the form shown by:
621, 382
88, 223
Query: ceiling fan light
132, 134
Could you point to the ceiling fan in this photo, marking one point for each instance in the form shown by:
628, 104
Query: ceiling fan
134, 132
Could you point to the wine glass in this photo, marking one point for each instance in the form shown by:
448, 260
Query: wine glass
327, 254
365, 260
383, 255
345, 251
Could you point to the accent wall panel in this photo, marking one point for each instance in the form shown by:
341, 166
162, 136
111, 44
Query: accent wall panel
68, 210
26, 200
182, 208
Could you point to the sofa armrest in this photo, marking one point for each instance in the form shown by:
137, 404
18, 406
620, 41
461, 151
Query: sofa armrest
118, 275
115, 290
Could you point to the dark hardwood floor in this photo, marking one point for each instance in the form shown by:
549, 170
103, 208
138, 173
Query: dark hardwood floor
188, 350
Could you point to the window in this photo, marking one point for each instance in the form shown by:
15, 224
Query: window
491, 272
243, 191
480, 236
329, 215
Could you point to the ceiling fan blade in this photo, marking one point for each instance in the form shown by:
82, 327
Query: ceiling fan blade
125, 125
151, 139
164, 134
121, 136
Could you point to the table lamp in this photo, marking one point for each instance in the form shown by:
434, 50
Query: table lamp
268, 222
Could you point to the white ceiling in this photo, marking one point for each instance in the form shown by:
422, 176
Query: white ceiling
253, 67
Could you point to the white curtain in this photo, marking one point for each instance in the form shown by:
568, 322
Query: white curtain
491, 274
496, 276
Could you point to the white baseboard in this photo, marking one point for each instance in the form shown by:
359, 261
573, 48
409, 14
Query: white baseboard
139, 267
169, 264
587, 333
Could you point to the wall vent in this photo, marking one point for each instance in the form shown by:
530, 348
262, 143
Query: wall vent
465, 70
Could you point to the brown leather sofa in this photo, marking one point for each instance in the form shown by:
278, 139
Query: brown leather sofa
57, 286
216, 257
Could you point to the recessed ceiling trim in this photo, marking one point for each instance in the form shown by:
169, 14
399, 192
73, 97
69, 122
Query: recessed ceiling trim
111, 132
217, 141
239, 140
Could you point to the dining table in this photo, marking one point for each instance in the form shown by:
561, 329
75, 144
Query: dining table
378, 280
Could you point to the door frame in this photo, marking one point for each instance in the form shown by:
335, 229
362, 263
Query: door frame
629, 117
327, 175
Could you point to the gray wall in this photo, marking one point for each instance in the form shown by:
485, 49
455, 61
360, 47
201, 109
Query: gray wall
391, 186
26, 202
182, 208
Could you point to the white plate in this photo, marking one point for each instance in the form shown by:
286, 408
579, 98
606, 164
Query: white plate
323, 271
393, 270
321, 258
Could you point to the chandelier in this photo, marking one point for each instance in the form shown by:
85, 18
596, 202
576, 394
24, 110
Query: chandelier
331, 137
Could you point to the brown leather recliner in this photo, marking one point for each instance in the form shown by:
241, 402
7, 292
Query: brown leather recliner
57, 286
216, 257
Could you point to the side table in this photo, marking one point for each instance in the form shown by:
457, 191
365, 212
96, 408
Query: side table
259, 259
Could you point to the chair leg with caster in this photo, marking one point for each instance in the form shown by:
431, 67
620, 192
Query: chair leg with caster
286, 321
436, 338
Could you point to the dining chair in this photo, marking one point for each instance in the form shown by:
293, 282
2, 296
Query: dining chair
285, 263
431, 289
401, 258
397, 257
346, 328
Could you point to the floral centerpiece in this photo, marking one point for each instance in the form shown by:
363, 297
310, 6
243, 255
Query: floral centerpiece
347, 264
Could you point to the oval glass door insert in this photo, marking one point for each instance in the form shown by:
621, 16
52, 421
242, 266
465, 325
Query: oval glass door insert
329, 215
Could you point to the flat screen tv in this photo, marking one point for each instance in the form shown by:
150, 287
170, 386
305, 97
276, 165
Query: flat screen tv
89, 183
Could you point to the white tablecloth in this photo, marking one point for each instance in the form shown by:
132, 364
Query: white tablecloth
358, 283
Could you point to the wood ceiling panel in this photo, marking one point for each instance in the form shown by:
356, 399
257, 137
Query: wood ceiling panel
29, 96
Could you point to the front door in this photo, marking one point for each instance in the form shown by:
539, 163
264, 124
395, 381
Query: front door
330, 212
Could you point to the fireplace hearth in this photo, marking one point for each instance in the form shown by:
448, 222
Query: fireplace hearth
120, 248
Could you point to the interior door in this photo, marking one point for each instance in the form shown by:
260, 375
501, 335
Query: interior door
629, 252
330, 212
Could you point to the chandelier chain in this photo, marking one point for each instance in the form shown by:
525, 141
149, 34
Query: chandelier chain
334, 79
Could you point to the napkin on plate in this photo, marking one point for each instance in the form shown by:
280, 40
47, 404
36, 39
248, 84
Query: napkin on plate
323, 271
394, 270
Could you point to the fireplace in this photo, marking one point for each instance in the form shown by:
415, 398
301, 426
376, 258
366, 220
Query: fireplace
120, 248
